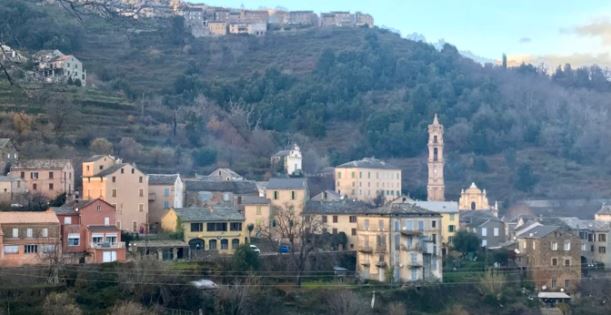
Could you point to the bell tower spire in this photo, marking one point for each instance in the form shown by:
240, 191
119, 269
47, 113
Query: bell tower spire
436, 185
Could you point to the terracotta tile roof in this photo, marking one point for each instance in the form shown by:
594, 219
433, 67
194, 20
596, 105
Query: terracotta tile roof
28, 217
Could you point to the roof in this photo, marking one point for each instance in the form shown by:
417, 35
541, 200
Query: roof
438, 206
371, 162
475, 218
96, 157
209, 213
540, 231
605, 209
226, 171
254, 200
282, 153
8, 178
69, 207
41, 164
163, 179
287, 183
405, 209
236, 187
113, 168
580, 224
327, 195
345, 206
28, 217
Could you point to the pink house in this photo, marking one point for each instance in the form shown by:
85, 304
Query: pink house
89, 232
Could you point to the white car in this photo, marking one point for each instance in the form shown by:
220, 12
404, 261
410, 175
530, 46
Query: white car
204, 284
255, 249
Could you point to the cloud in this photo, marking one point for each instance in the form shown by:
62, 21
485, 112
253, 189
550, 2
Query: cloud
552, 61
600, 28
525, 40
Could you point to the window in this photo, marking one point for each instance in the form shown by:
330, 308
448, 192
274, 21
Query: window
602, 237
484, 231
50, 175
29, 233
141, 192
420, 226
435, 154
484, 243
451, 228
34, 187
224, 244
34, 175
30, 249
114, 179
15, 232
215, 227
567, 245
602, 249
235, 243
44, 232
50, 186
140, 180
197, 227
275, 195
292, 195
381, 225
567, 262
106, 221
352, 219
74, 239
334, 231
554, 261
566, 283
122, 171
554, 246
235, 226
496, 231
353, 232
473, 205
212, 245
324, 219
141, 207
339, 175
166, 204
434, 236
352, 175
166, 192
334, 219
434, 224
67, 220
366, 224
114, 193
134, 226
133, 170
22, 174
553, 283
11, 249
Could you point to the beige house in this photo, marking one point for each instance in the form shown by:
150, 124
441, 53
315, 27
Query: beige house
368, 178
11, 188
120, 184
165, 191
52, 66
50, 178
257, 211
287, 194
399, 242
338, 216
218, 28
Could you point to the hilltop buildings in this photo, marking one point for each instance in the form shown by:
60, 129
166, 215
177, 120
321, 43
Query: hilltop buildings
52, 66
368, 179
288, 161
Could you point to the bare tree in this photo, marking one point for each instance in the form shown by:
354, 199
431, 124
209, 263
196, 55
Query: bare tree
346, 302
60, 304
237, 299
131, 308
492, 282
60, 111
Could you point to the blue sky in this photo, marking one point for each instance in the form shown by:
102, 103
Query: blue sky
538, 31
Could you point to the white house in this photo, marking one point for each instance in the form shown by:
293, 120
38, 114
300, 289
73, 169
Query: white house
289, 160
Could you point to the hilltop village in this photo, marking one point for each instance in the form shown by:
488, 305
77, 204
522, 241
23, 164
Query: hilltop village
364, 210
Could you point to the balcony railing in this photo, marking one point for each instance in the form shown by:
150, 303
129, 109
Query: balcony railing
412, 248
107, 245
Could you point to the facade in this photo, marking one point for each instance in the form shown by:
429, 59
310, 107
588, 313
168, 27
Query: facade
338, 216
28, 237
257, 211
8, 155
50, 178
450, 217
11, 188
435, 189
289, 161
201, 192
604, 214
287, 194
367, 179
120, 184
551, 257
53, 66
89, 232
399, 242
490, 229
165, 191
474, 198
218, 28
218, 228
595, 241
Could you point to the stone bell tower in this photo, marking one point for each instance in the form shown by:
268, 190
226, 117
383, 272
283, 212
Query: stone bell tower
436, 186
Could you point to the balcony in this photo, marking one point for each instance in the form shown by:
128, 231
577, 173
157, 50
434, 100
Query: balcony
107, 245
410, 232
152, 196
366, 249
413, 248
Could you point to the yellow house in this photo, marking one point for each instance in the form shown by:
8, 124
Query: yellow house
212, 228
338, 216
120, 184
367, 178
287, 194
257, 211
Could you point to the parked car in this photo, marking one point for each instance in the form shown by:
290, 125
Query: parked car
255, 249
204, 284
283, 249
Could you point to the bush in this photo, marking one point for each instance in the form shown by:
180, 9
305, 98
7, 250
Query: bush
245, 259
204, 157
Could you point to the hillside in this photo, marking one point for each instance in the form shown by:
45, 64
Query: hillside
171, 102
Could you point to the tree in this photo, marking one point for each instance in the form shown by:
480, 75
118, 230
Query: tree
245, 259
492, 282
22, 122
346, 302
204, 157
129, 148
60, 111
131, 308
525, 180
101, 146
466, 242
250, 228
60, 304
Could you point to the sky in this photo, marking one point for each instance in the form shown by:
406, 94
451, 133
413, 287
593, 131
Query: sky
537, 31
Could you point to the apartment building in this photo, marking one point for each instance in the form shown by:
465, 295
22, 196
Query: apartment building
165, 191
28, 237
89, 233
490, 229
367, 179
595, 240
450, 217
50, 178
120, 184
399, 242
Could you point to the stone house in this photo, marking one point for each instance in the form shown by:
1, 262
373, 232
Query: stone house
8, 155
28, 237
595, 240
200, 192
12, 189
368, 178
52, 66
225, 174
165, 191
50, 178
490, 229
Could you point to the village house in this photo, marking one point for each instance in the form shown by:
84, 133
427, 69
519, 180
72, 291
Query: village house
11, 55
28, 237
225, 174
337, 216
12, 189
474, 198
551, 257
257, 212
288, 161
165, 191
120, 184
595, 240
450, 217
604, 214
52, 66
490, 229
218, 28
303, 18
287, 194
399, 242
50, 178
89, 233
200, 192
8, 155
218, 228
368, 179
